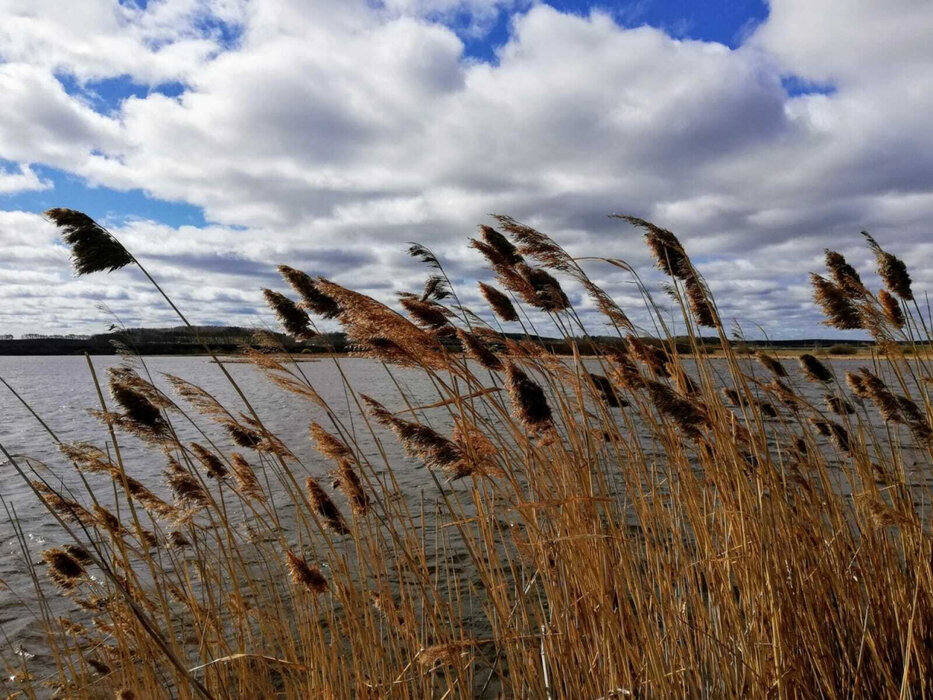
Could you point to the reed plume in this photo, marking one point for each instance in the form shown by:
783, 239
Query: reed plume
329, 445
840, 312
771, 364
477, 349
844, 275
687, 415
304, 575
500, 304
245, 478
892, 270
312, 298
212, 464
529, 404
93, 248
422, 442
667, 250
187, 489
891, 309
64, 570
813, 369
326, 508
607, 391
294, 320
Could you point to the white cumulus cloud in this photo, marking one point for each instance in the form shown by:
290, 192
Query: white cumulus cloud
331, 133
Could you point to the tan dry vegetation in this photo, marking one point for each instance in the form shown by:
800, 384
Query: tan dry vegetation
639, 525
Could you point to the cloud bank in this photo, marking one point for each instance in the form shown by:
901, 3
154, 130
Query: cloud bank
328, 139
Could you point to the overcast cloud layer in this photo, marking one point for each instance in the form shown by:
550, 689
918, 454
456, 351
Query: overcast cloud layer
329, 138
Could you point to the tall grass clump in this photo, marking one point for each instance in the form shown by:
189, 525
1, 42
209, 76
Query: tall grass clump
637, 518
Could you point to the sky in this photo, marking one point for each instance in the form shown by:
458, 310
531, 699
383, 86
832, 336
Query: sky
219, 138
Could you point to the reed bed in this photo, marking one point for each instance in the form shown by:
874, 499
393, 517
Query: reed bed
632, 520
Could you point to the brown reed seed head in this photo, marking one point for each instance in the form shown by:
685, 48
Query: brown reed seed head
684, 413
667, 250
838, 405
891, 308
857, 385
876, 390
529, 404
427, 314
843, 274
313, 299
212, 464
245, 478
64, 569
294, 320
607, 391
305, 575
813, 369
350, 483
654, 357
186, 488
699, 301
80, 554
892, 270
507, 254
477, 349
543, 290
243, 436
93, 248
329, 445
138, 411
177, 540
771, 364
422, 442
325, 507
839, 310
501, 305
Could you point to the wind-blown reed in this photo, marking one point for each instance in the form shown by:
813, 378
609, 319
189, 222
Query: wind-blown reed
635, 519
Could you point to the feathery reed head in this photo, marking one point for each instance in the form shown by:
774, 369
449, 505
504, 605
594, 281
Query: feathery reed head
326, 508
294, 320
891, 308
844, 275
93, 248
212, 464
813, 369
140, 415
607, 391
771, 364
529, 404
348, 481
506, 253
188, 491
427, 314
312, 298
329, 445
304, 575
501, 305
892, 270
699, 300
667, 250
422, 442
476, 348
840, 312
64, 569
245, 478
685, 413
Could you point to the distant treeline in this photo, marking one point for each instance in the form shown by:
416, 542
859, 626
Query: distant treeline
232, 339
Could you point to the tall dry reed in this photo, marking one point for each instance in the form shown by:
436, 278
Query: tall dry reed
638, 518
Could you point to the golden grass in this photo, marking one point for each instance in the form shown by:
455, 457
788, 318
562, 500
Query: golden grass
639, 523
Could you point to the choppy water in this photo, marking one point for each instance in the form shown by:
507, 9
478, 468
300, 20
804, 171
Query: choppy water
61, 390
